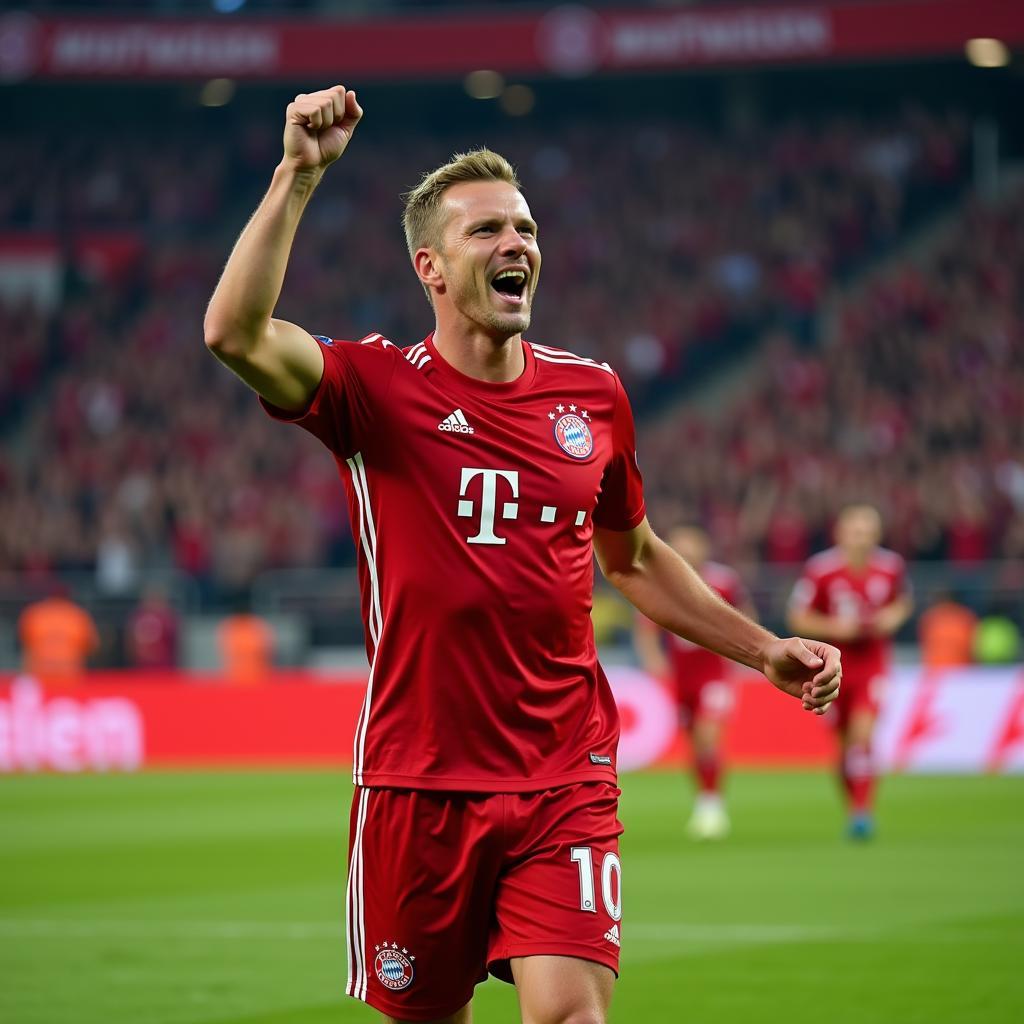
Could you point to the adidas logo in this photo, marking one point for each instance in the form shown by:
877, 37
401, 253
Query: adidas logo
455, 423
612, 935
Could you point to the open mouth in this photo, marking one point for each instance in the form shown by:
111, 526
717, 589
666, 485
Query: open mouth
510, 284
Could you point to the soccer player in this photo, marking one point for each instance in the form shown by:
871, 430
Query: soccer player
481, 472
855, 595
701, 679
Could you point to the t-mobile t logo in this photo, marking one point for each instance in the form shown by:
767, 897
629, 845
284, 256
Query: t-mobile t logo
488, 501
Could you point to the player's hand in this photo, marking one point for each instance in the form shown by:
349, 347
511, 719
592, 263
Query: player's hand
318, 126
807, 669
846, 627
888, 620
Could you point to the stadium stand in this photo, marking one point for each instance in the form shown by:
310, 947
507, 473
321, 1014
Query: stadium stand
915, 403
156, 460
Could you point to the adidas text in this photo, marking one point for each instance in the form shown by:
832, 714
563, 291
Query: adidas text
455, 424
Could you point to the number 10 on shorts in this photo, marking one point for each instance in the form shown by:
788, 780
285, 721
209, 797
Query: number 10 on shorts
611, 892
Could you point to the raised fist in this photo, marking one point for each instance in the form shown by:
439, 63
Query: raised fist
318, 127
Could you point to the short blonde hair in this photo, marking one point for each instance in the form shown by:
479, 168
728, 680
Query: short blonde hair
423, 203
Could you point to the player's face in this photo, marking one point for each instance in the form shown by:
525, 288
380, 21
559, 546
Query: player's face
691, 544
490, 260
859, 531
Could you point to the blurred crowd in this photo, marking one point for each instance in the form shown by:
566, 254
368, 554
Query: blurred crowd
915, 402
127, 448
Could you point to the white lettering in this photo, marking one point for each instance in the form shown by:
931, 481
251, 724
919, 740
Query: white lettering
64, 735
488, 501
724, 36
114, 735
68, 734
162, 48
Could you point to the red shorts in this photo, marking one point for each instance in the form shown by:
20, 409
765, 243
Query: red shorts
859, 691
709, 697
444, 887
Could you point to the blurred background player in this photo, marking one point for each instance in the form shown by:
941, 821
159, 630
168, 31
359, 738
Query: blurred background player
855, 595
151, 633
701, 680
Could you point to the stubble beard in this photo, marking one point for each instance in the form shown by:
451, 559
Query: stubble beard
477, 308
502, 326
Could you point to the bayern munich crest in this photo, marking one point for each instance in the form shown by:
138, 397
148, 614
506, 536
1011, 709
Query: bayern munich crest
393, 966
573, 435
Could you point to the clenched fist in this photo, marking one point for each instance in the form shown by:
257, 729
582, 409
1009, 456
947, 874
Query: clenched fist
807, 669
318, 127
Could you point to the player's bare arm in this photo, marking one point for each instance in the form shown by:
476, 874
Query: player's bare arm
890, 619
665, 588
830, 628
277, 359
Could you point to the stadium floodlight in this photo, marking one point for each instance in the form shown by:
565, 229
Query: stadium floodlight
217, 92
518, 100
484, 85
987, 53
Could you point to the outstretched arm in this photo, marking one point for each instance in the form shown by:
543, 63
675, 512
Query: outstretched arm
277, 359
666, 589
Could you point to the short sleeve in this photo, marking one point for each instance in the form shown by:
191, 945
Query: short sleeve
620, 505
352, 391
807, 594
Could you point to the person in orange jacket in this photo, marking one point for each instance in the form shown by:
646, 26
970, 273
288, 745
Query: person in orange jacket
247, 648
57, 637
946, 633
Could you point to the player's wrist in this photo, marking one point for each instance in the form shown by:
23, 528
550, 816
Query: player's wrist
765, 653
301, 177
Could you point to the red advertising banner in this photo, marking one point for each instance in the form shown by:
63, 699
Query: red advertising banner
964, 721
568, 40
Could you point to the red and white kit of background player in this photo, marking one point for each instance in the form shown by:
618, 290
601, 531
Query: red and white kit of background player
701, 680
482, 471
855, 595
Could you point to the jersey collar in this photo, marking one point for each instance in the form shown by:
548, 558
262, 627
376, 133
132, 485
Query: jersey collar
483, 388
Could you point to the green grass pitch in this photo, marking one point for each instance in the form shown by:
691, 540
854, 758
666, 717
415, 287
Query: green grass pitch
218, 898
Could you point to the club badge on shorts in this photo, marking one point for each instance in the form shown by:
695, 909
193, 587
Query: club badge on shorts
394, 966
572, 431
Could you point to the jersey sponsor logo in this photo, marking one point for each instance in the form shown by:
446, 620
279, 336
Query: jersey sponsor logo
394, 966
600, 759
497, 484
455, 423
323, 339
573, 436
488, 505
612, 935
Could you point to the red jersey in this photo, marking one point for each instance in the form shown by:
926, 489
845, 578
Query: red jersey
692, 663
473, 505
830, 586
152, 634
